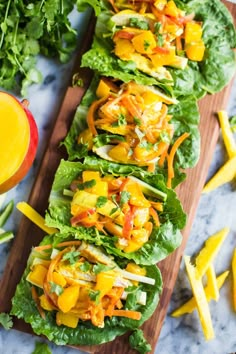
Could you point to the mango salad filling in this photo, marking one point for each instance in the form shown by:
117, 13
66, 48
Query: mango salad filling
115, 206
79, 282
135, 120
156, 34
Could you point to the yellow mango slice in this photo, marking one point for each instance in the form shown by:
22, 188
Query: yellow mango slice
35, 217
123, 48
212, 283
201, 300
58, 279
171, 9
227, 134
66, 319
195, 50
191, 304
193, 32
45, 304
86, 137
104, 282
90, 175
224, 175
68, 298
37, 275
209, 252
144, 43
234, 278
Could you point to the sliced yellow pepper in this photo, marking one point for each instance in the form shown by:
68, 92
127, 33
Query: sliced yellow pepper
191, 304
212, 283
209, 252
201, 300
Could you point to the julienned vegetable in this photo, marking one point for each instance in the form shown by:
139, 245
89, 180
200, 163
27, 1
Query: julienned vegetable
74, 293
88, 200
205, 35
138, 125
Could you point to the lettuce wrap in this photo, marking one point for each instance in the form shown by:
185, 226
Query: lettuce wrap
104, 301
197, 77
182, 117
76, 206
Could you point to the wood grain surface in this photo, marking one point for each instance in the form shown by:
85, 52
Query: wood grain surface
189, 193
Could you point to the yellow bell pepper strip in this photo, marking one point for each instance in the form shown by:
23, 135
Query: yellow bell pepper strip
171, 156
35, 217
201, 300
209, 252
224, 175
227, 135
212, 283
234, 278
191, 304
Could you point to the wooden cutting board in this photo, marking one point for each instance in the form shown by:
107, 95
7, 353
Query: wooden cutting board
189, 193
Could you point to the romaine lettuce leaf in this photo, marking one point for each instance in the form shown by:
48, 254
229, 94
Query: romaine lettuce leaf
162, 241
23, 306
208, 76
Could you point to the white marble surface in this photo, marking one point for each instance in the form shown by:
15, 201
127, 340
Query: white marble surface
215, 211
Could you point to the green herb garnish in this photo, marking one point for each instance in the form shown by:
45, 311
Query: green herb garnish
55, 288
101, 201
87, 184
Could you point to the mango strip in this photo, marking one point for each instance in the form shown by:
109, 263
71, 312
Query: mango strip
224, 175
35, 217
191, 304
212, 282
234, 278
227, 135
209, 252
201, 300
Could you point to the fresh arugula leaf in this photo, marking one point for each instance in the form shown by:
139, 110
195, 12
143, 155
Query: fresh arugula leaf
6, 320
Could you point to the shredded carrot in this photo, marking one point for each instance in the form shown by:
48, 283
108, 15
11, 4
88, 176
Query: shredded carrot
112, 2
35, 297
91, 114
151, 167
162, 158
134, 315
157, 205
155, 216
178, 44
131, 107
61, 244
170, 157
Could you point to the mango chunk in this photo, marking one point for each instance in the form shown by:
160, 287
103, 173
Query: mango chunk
37, 275
145, 42
68, 298
65, 319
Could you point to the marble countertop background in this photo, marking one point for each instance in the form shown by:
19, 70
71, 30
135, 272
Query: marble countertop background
215, 211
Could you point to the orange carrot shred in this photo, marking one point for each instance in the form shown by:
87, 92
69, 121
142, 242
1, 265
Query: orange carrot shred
170, 157
37, 302
134, 315
155, 216
91, 114
61, 244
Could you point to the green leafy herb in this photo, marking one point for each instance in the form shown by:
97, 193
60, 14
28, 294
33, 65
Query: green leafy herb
121, 121
101, 201
124, 198
146, 44
71, 256
85, 266
232, 122
137, 121
55, 288
98, 268
135, 22
165, 136
138, 342
87, 184
6, 320
94, 295
41, 348
103, 139
114, 210
146, 145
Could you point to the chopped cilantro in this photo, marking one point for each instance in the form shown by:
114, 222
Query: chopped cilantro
165, 136
101, 201
135, 22
85, 266
98, 268
87, 184
71, 256
120, 121
6, 320
124, 198
146, 145
55, 288
114, 210
146, 44
94, 295
137, 121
